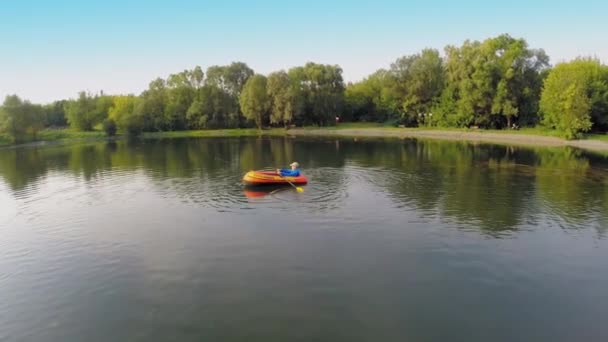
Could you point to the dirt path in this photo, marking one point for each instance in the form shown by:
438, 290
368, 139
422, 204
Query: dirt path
490, 137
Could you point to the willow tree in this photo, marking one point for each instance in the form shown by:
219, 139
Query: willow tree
254, 100
282, 98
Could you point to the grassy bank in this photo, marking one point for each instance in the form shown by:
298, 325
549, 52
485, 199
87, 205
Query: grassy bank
54, 135
539, 131
69, 135
236, 132
535, 131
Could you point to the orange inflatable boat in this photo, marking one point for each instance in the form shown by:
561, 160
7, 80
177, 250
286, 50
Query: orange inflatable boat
271, 178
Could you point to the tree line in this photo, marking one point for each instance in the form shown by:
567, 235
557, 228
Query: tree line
497, 83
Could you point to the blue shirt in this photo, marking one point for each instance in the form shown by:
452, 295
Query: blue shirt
290, 172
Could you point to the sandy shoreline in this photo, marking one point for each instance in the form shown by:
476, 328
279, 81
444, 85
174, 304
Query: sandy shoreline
489, 137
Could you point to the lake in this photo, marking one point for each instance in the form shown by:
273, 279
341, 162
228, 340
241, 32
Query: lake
392, 240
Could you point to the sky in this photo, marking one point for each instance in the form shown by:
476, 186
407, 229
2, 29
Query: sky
51, 50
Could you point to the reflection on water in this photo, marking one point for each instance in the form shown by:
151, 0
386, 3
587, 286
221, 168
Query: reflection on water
159, 240
491, 187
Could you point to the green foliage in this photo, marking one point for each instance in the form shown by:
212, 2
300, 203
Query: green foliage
495, 83
575, 97
151, 107
370, 99
491, 82
124, 116
413, 83
282, 98
254, 100
20, 118
196, 114
55, 114
180, 94
445, 112
318, 93
598, 95
410, 92
87, 111
230, 78
212, 108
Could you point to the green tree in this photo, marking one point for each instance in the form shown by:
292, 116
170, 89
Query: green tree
212, 108
180, 94
490, 83
318, 92
598, 95
230, 79
254, 100
197, 76
124, 115
519, 72
196, 114
371, 99
413, 83
87, 111
575, 97
19, 118
102, 108
151, 107
282, 98
55, 114
406, 92
77, 112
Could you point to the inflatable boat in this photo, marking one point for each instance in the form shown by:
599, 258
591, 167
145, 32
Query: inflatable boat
271, 178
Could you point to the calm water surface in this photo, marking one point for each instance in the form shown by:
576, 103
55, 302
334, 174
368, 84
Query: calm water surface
157, 240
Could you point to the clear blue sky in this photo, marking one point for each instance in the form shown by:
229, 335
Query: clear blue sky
52, 49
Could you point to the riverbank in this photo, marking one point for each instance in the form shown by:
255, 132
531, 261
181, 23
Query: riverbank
60, 136
234, 132
54, 136
524, 137
519, 138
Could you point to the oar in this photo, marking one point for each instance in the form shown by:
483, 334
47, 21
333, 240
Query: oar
298, 189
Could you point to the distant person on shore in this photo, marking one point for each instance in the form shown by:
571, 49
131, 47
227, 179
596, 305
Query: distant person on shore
293, 172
